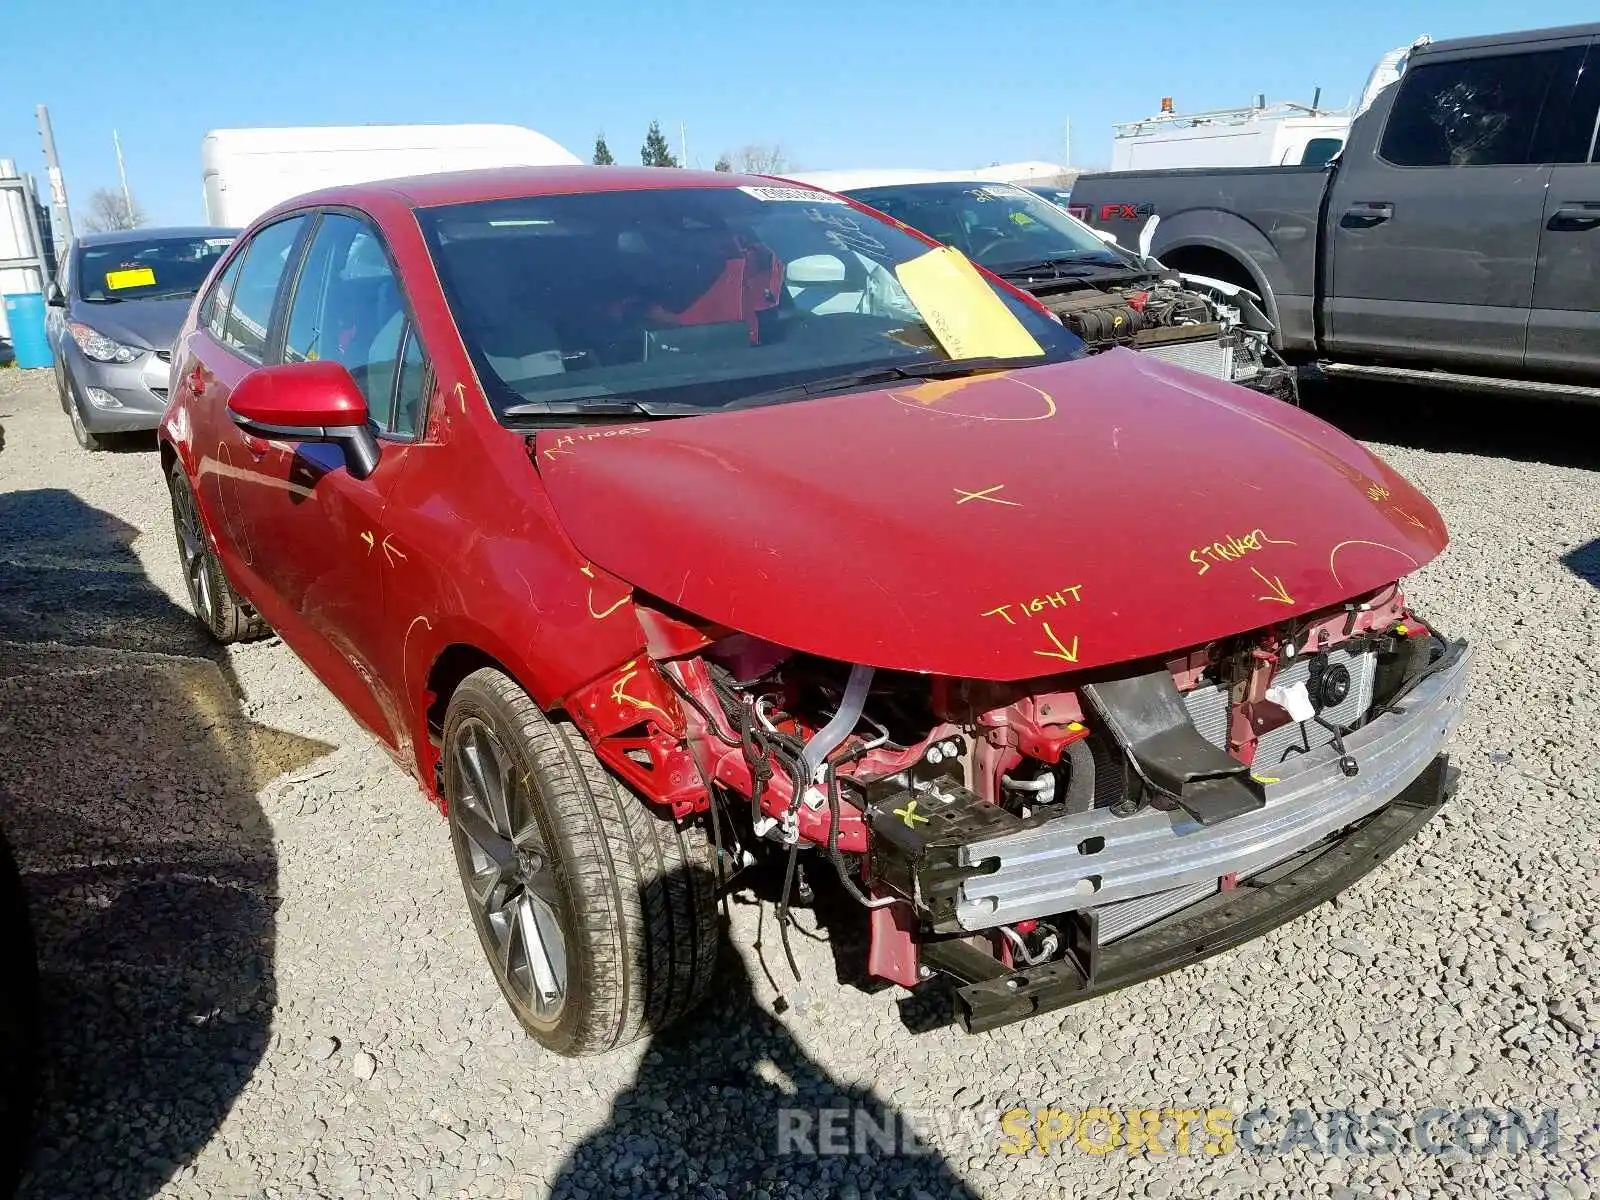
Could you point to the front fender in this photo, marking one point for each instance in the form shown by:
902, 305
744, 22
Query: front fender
1230, 234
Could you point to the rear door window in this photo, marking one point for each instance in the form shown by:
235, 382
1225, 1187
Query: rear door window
248, 322
1567, 129
1470, 112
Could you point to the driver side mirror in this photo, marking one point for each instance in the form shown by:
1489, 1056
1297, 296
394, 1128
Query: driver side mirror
308, 402
53, 296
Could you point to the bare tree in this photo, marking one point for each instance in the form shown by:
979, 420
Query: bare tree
108, 211
760, 159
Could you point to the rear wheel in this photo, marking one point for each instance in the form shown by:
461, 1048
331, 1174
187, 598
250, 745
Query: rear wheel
597, 916
216, 605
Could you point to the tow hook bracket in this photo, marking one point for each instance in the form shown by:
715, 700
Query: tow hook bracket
1147, 718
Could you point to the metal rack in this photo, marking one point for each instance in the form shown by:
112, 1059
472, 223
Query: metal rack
41, 259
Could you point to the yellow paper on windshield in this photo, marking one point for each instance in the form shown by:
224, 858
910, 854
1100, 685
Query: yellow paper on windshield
963, 311
133, 277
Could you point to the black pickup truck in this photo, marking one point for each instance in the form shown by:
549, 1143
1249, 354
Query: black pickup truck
1454, 242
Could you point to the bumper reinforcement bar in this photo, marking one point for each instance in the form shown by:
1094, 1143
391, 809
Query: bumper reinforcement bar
1083, 861
993, 996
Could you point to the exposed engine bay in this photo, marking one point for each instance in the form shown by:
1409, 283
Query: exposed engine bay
1019, 836
1192, 322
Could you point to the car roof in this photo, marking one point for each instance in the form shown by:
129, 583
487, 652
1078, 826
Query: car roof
148, 233
1518, 40
507, 183
849, 181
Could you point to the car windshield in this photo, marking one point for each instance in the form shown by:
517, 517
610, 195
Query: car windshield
157, 268
1001, 226
688, 299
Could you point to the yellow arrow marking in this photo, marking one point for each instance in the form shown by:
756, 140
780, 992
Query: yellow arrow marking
390, 552
985, 494
910, 815
366, 536
461, 396
1280, 594
1060, 651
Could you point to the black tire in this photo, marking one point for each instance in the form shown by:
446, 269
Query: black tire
85, 437
631, 893
216, 605
20, 1025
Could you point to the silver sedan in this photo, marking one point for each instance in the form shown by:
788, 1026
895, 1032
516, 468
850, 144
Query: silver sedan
113, 314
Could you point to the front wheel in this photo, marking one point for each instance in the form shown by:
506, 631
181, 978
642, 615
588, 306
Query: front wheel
85, 436
598, 917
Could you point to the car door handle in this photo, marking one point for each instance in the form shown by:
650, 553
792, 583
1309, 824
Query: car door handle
256, 446
1364, 214
197, 380
1575, 217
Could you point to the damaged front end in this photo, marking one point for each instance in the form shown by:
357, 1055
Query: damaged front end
1201, 324
1049, 840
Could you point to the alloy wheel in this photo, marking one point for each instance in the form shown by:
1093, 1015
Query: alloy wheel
80, 429
193, 552
512, 885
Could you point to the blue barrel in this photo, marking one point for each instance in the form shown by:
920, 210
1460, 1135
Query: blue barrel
25, 315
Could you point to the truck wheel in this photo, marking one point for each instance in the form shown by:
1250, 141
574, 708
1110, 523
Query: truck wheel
216, 605
598, 917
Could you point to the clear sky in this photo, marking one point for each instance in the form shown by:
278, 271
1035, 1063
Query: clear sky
864, 83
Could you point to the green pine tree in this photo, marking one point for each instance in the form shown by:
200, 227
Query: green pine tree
602, 152
724, 163
654, 152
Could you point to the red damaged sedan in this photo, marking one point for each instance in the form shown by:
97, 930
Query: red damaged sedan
662, 523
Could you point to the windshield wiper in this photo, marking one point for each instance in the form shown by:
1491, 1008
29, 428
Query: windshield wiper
1086, 265
940, 368
600, 406
607, 405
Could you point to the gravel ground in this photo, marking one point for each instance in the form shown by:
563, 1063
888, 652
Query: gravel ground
263, 981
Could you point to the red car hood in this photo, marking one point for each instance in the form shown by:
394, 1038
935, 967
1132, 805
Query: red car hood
996, 527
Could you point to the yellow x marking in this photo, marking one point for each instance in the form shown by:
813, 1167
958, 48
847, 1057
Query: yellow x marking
910, 815
985, 494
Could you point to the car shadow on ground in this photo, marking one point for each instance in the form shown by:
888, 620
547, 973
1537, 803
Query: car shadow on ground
1584, 562
1562, 433
128, 781
727, 1103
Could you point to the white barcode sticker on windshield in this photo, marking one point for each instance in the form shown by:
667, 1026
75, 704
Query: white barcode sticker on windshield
801, 195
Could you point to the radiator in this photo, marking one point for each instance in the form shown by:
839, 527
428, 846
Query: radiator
1205, 356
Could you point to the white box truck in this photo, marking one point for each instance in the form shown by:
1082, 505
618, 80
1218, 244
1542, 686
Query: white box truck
247, 171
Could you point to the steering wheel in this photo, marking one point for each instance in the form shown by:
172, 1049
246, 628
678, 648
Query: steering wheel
980, 254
